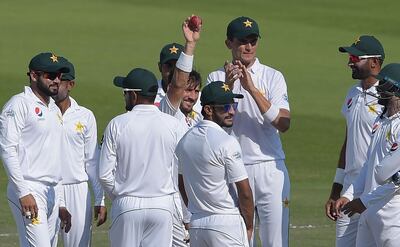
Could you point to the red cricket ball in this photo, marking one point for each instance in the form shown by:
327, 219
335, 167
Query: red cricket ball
194, 23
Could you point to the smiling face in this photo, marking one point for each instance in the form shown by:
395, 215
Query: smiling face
244, 49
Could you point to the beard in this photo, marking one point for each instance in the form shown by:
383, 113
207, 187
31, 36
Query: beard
46, 88
360, 73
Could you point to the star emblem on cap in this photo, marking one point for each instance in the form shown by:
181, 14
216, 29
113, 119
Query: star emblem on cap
225, 87
54, 58
357, 41
247, 23
173, 49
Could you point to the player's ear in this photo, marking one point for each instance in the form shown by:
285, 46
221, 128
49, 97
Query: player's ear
228, 44
159, 67
71, 84
208, 110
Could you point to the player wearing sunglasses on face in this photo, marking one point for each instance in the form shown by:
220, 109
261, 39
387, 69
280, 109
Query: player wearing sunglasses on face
210, 167
360, 110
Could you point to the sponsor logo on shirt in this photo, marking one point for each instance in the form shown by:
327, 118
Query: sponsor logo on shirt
10, 113
237, 155
285, 97
349, 103
38, 111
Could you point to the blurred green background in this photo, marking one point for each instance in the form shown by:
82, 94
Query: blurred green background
105, 38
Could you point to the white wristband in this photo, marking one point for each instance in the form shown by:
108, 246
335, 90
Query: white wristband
185, 62
339, 176
272, 113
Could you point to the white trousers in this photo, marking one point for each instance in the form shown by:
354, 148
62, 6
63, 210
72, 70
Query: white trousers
379, 225
179, 231
133, 225
40, 233
346, 230
78, 203
218, 231
270, 184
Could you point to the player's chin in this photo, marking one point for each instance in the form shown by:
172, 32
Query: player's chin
228, 122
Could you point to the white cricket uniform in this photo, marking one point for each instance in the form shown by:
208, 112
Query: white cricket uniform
79, 165
137, 167
379, 225
181, 214
360, 111
30, 141
262, 152
210, 162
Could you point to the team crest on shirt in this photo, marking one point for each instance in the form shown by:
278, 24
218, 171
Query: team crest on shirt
349, 103
394, 147
79, 127
35, 221
374, 128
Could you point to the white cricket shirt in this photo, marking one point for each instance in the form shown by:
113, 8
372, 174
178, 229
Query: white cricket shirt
137, 154
30, 141
80, 150
385, 141
258, 138
360, 111
210, 161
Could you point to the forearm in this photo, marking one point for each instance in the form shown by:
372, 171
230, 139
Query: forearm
246, 207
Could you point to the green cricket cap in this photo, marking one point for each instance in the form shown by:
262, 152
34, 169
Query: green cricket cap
170, 52
390, 73
142, 81
48, 62
365, 45
69, 76
217, 93
242, 27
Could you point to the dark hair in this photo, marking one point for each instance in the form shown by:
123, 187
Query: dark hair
193, 75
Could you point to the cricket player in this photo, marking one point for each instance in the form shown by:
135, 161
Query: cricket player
360, 110
379, 205
30, 144
181, 87
137, 165
80, 164
211, 164
261, 116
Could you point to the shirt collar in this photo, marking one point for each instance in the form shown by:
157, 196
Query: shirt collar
209, 123
255, 67
145, 107
29, 93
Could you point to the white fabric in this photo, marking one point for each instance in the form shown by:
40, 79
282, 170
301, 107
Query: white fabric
219, 231
30, 141
346, 230
210, 162
141, 222
270, 185
41, 233
185, 62
258, 138
137, 153
384, 141
80, 149
360, 111
78, 204
389, 166
339, 176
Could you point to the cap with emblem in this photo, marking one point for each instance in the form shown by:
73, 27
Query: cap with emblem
69, 76
170, 52
242, 27
140, 80
217, 92
389, 78
48, 62
365, 45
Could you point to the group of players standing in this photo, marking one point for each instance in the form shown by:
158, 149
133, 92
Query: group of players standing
224, 161
364, 199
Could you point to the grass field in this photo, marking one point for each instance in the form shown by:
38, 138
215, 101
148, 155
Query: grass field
105, 38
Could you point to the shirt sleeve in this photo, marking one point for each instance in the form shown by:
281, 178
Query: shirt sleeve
278, 95
234, 165
92, 153
357, 187
108, 160
12, 122
379, 193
